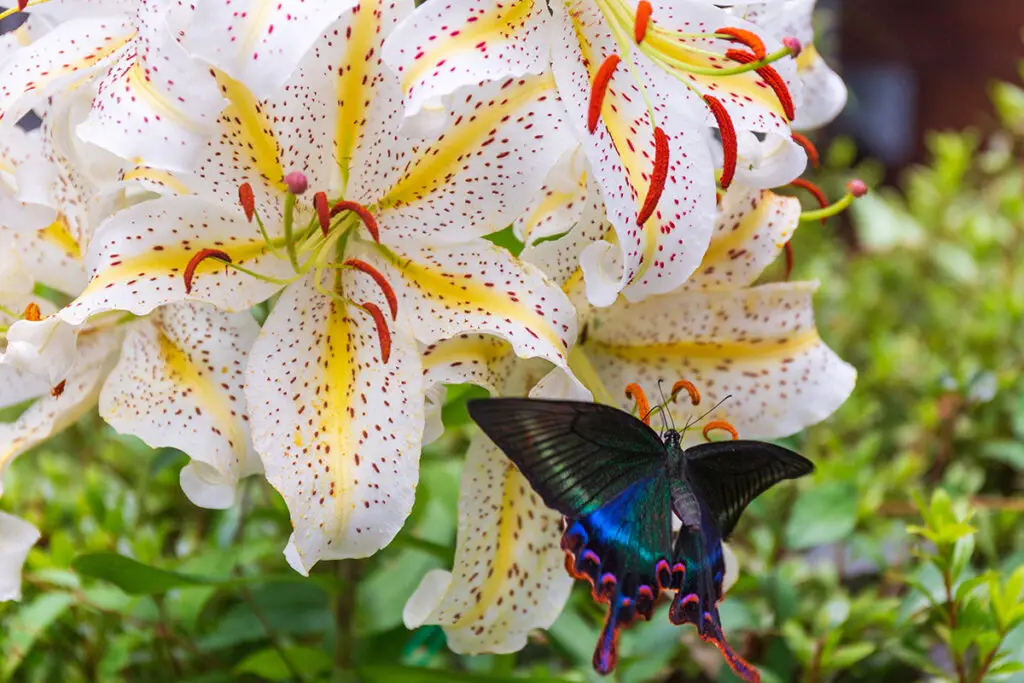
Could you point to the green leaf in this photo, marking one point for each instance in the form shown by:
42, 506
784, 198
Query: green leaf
270, 664
1009, 452
29, 622
846, 656
132, 576
824, 514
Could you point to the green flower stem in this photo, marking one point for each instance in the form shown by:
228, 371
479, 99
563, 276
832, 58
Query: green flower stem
289, 237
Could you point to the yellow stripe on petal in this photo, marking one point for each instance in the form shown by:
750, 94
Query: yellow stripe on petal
735, 350
355, 85
334, 410
551, 203
142, 87
514, 505
471, 295
169, 261
807, 58
722, 248
158, 177
500, 26
205, 391
58, 234
439, 161
467, 349
246, 121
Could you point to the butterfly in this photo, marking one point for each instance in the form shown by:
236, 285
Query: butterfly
617, 482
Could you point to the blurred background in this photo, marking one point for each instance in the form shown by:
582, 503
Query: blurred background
900, 560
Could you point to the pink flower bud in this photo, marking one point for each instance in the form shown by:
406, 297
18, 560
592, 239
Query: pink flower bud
296, 182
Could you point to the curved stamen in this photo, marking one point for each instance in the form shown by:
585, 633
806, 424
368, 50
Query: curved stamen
385, 287
720, 424
364, 215
382, 329
690, 388
200, 256
658, 176
730, 143
748, 38
812, 151
247, 200
32, 312
818, 193
854, 189
635, 392
770, 76
323, 212
598, 89
643, 19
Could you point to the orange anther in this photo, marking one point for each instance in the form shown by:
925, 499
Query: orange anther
22, 4
643, 408
643, 19
385, 287
730, 143
770, 76
382, 330
32, 313
598, 89
364, 215
789, 259
323, 211
812, 151
720, 424
200, 256
247, 200
748, 38
690, 388
58, 390
658, 176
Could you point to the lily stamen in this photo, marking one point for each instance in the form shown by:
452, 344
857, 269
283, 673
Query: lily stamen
812, 151
58, 390
818, 193
721, 425
385, 287
636, 393
598, 89
789, 259
854, 189
32, 312
383, 333
730, 143
199, 257
658, 176
247, 200
323, 212
643, 19
771, 77
748, 38
690, 388
364, 215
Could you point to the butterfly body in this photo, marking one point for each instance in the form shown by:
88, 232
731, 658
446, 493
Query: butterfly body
618, 483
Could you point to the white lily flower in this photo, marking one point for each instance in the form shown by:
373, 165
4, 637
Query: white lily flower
756, 344
643, 83
374, 239
16, 538
152, 100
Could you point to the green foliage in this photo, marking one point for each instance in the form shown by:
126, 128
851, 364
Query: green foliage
900, 560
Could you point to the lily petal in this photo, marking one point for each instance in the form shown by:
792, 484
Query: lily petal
479, 287
824, 92
179, 383
769, 161
52, 413
155, 103
70, 52
509, 575
753, 226
46, 348
138, 259
262, 43
758, 346
441, 48
16, 538
480, 359
561, 202
338, 429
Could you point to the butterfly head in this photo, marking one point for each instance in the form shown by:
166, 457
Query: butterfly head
672, 438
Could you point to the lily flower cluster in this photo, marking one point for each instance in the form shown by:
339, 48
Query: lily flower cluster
339, 166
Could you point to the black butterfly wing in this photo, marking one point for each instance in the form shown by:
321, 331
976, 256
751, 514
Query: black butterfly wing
577, 456
728, 475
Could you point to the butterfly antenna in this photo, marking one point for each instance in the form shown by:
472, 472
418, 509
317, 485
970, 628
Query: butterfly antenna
692, 421
664, 407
